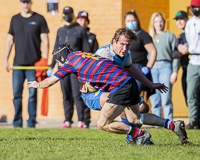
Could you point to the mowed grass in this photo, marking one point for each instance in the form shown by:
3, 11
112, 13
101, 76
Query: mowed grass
92, 144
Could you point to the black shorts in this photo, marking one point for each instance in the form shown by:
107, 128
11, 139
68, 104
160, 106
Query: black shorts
127, 95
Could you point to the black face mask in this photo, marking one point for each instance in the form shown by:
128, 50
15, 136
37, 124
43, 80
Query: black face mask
196, 12
68, 18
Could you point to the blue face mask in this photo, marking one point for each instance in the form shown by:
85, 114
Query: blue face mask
131, 25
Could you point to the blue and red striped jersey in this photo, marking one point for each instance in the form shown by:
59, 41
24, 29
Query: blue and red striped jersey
98, 71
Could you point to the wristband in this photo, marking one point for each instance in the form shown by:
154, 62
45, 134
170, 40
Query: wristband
38, 85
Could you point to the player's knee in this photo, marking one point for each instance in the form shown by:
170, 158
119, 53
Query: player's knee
134, 121
144, 107
100, 124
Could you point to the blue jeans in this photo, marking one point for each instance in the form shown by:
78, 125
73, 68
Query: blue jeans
19, 77
161, 73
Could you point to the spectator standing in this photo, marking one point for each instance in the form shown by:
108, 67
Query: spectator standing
27, 30
77, 38
140, 50
162, 70
83, 20
181, 49
192, 34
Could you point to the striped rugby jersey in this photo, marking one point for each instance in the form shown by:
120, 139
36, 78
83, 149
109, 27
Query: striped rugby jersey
98, 71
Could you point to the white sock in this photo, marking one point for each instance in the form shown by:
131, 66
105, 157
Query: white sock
141, 119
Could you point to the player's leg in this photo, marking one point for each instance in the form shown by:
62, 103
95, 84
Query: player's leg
115, 104
136, 136
107, 116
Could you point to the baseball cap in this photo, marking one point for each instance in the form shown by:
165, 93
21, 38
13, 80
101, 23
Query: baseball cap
68, 10
181, 15
195, 3
83, 14
25, 0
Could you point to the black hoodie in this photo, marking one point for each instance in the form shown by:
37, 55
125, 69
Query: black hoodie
77, 37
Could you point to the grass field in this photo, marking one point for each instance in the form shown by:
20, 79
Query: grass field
92, 144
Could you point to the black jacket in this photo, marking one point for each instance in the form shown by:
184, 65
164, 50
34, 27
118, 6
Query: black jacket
92, 41
77, 37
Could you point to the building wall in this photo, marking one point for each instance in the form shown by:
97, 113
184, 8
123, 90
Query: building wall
144, 9
103, 22
105, 17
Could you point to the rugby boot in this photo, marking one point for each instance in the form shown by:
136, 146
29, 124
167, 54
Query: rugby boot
179, 130
144, 139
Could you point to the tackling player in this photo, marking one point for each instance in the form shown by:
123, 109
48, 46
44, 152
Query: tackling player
105, 75
120, 55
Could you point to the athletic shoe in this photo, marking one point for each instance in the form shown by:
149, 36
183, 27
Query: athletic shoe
65, 126
179, 130
87, 126
144, 139
81, 127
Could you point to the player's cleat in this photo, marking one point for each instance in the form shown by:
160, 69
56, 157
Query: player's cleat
144, 139
179, 130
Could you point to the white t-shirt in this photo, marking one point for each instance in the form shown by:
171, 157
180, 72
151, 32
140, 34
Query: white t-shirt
192, 34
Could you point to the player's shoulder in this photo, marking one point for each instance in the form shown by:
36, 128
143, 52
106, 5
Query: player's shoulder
106, 52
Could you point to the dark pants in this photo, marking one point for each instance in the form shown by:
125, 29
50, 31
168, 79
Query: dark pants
184, 87
71, 95
184, 82
19, 77
142, 87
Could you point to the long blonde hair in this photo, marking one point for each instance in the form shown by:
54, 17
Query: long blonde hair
152, 31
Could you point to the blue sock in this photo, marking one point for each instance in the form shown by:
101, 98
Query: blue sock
168, 124
127, 122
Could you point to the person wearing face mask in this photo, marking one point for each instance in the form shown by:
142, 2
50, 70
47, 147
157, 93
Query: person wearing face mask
140, 50
76, 36
165, 68
192, 34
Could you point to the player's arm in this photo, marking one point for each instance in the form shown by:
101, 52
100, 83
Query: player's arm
45, 42
9, 44
137, 74
45, 83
